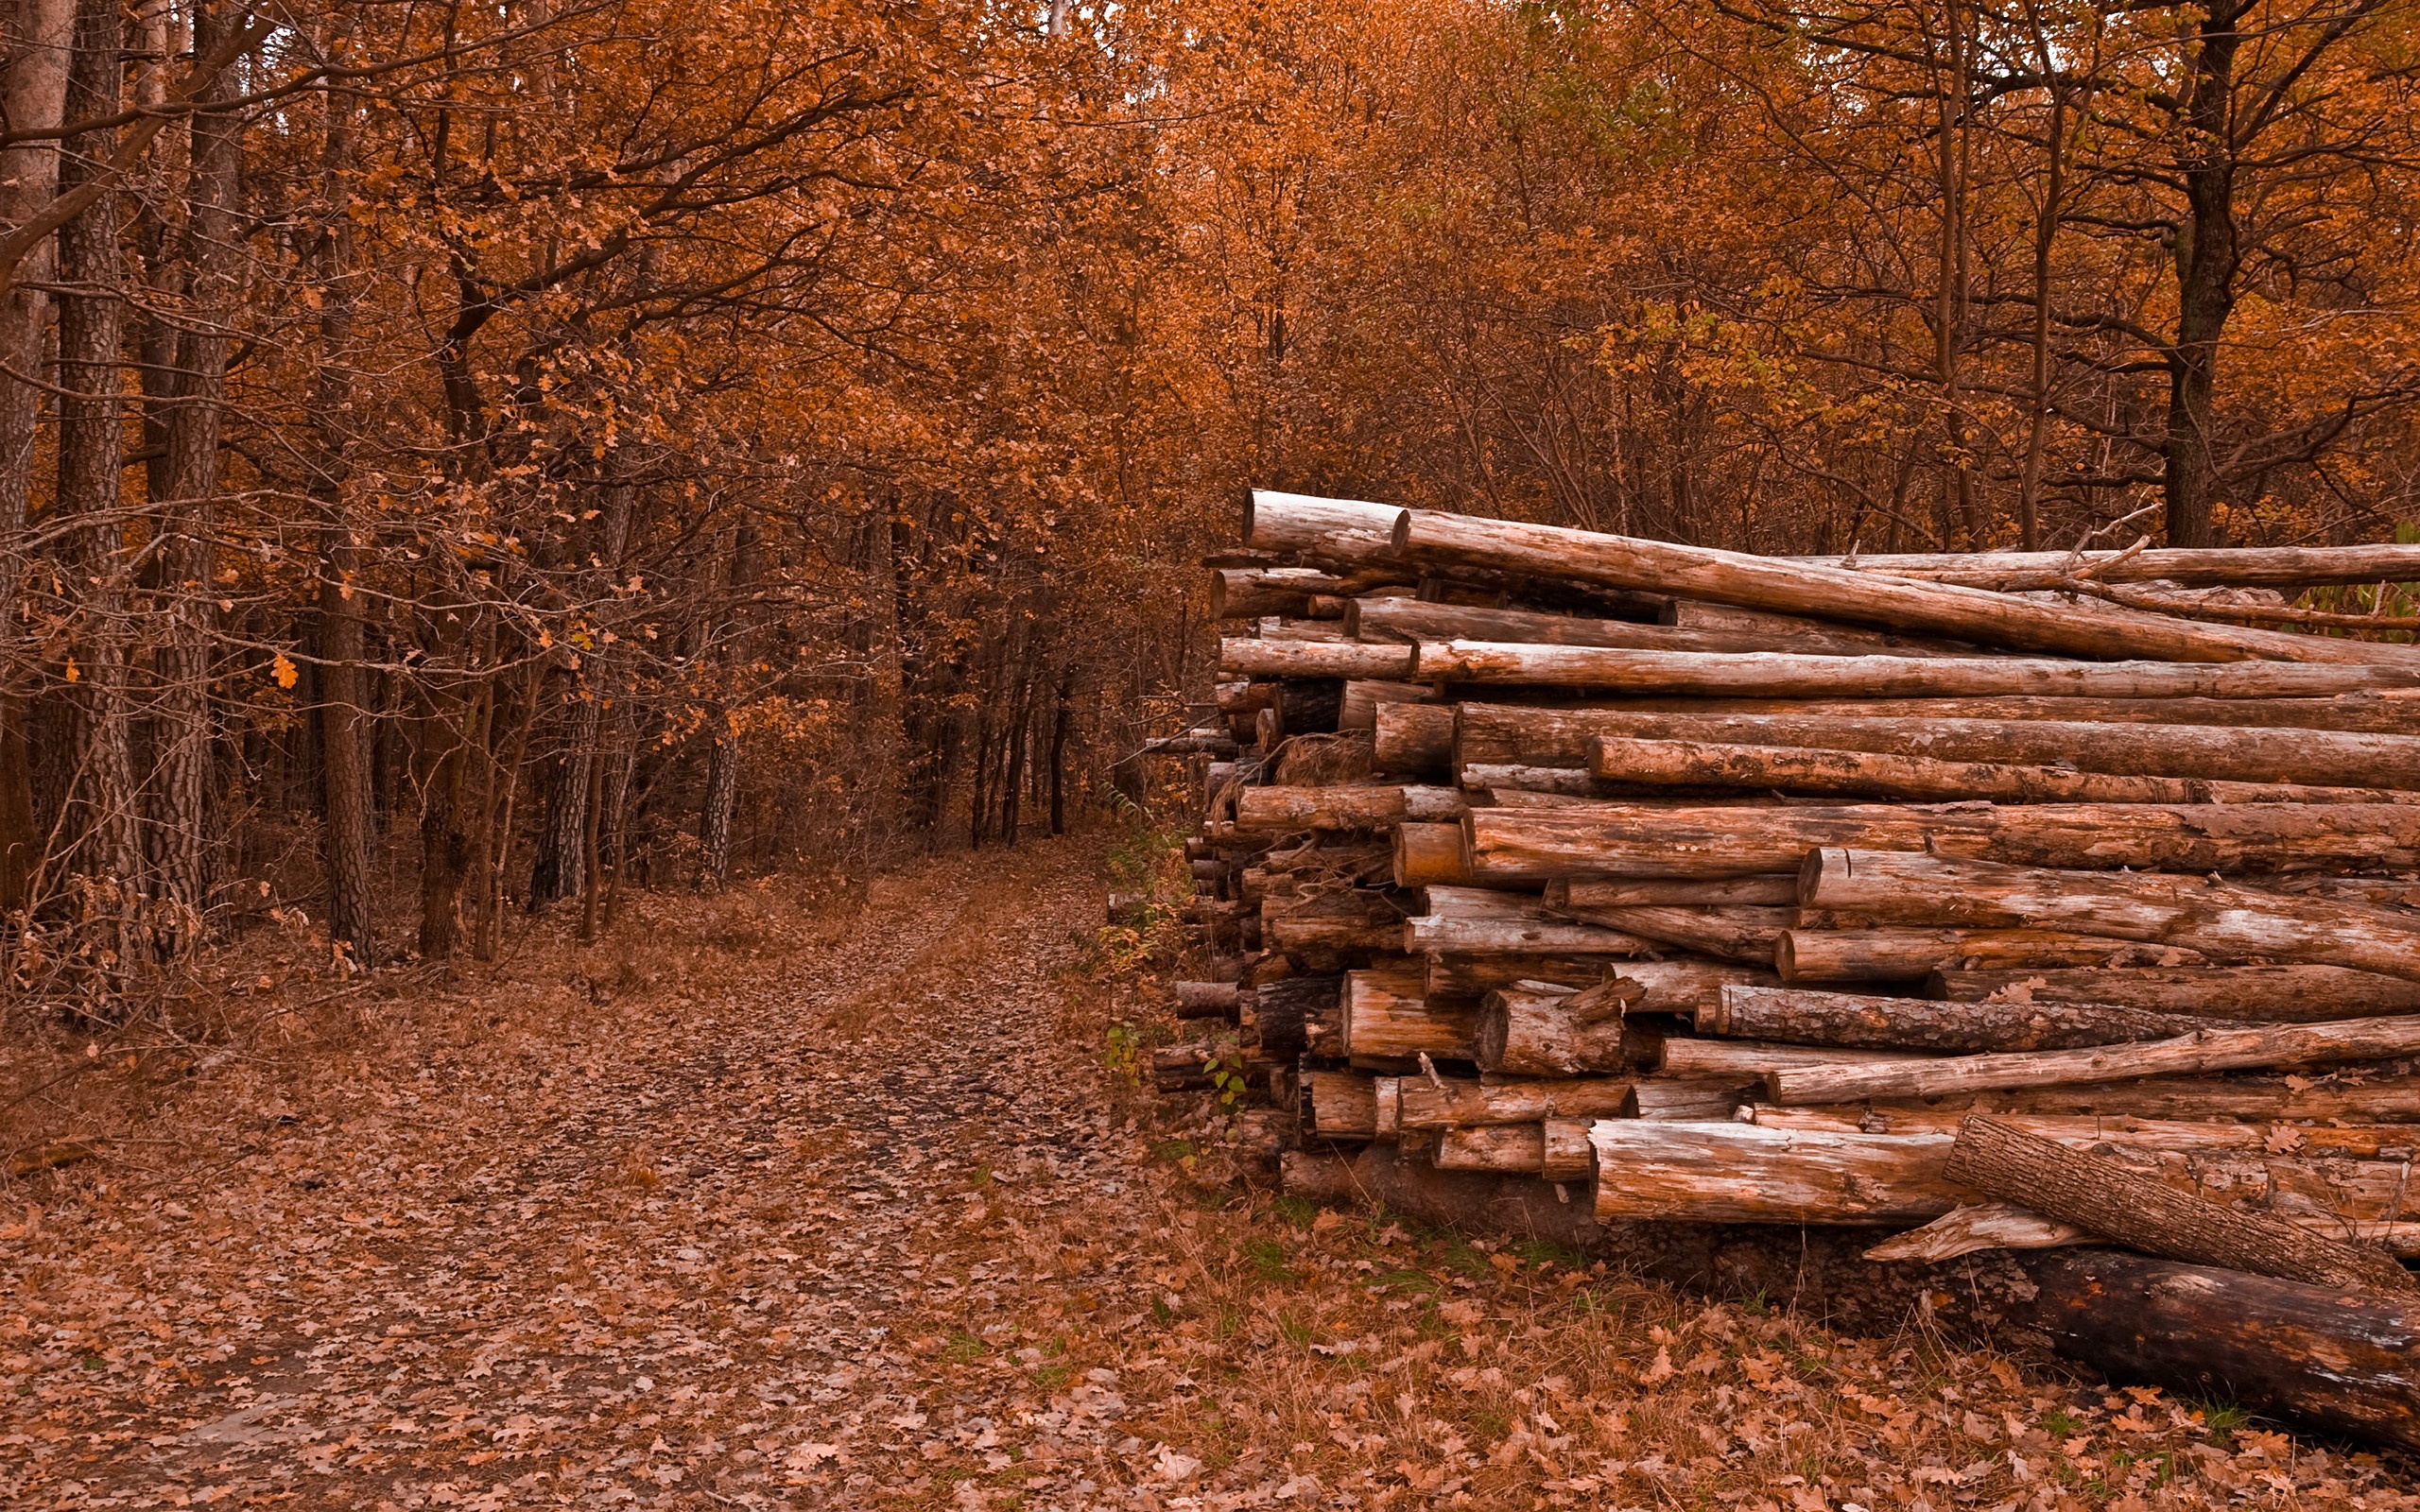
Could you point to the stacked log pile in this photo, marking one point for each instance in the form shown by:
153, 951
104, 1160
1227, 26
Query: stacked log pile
1986, 902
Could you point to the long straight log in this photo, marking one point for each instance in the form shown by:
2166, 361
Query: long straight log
1684, 1099
1831, 592
2267, 994
1913, 953
1664, 986
2370, 1141
1973, 1226
1746, 935
1748, 1061
1780, 675
1951, 728
1249, 656
1774, 890
2284, 756
1415, 623
1336, 532
1878, 775
1206, 999
2103, 1196
1476, 919
2206, 1050
1350, 919
2220, 920
2254, 1099
1283, 810
2190, 566
2344, 1362
1800, 1017
1470, 1105
1514, 846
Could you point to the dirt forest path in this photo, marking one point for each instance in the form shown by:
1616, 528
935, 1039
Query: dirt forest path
784, 1209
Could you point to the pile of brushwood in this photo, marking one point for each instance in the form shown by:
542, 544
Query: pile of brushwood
2061, 903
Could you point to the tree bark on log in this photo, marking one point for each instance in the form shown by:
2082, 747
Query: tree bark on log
2265, 994
1915, 954
1250, 657
2343, 1363
1980, 1226
1284, 810
1474, 1104
1430, 855
2268, 756
2189, 566
1415, 623
1516, 1149
1349, 921
1473, 920
1781, 675
1206, 999
1516, 847
1684, 1100
1281, 1013
1745, 1062
1333, 532
1831, 592
2381, 1100
1772, 891
1878, 775
2206, 1050
1532, 1029
1414, 739
1250, 593
1799, 1017
2317, 1144
1729, 934
1363, 697
2221, 922
2104, 1197
1738, 1173
1338, 1105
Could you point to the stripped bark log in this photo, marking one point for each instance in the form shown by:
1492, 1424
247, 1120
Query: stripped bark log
1387, 1016
2206, 1050
1738, 1173
1755, 582
2221, 922
1798, 1017
1774, 890
2269, 994
1915, 954
1514, 846
1474, 1104
1780, 675
2104, 1197
1243, 656
1363, 697
1534, 1029
1283, 810
2188, 566
2254, 1099
1872, 774
1415, 623
1980, 1226
1684, 1100
1474, 920
1744, 934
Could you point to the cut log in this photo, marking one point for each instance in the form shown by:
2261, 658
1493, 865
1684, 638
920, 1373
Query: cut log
2254, 1099
1250, 657
1473, 920
1738, 1173
1973, 729
1513, 1148
2341, 1362
1476, 1105
1915, 954
1733, 934
1338, 1105
1284, 810
1515, 847
1363, 698
1872, 774
2186, 566
1415, 623
1965, 1229
1774, 890
1745, 1062
1536, 1029
1196, 1067
1282, 1012
1351, 920
1831, 592
1415, 739
1431, 854
1386, 1016
1566, 782
1456, 976
1671, 1099
1250, 593
1336, 532
2252, 757
2269, 994
2103, 1196
2206, 1050
2316, 1145
1796, 1016
2220, 920
1192, 743
1781, 675
1206, 999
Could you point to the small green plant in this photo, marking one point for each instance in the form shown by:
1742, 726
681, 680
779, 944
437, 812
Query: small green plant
1226, 1071
1124, 1056
1297, 1331
1267, 1259
1296, 1211
2221, 1419
2058, 1424
962, 1348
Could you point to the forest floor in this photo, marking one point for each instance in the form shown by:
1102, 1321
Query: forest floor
774, 1200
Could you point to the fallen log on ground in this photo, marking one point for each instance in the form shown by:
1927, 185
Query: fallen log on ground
1516, 847
2205, 1050
2275, 994
1975, 1226
2102, 1196
1800, 1017
2221, 922
1781, 675
1876, 775
2341, 1362
1759, 582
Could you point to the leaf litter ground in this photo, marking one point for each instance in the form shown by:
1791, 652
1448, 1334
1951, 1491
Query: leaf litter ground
780, 1203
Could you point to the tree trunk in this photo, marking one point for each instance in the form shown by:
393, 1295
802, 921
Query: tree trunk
1415, 623
1746, 935
2272, 994
1875, 775
1474, 1104
1776, 890
2224, 923
1243, 658
1429, 854
1386, 1018
1529, 1029
1782, 676
1515, 845
1915, 954
1475, 921
2206, 1050
1282, 810
559, 870
2208, 567
2103, 1196
1863, 598
1802, 1017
